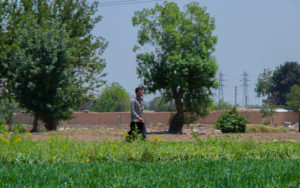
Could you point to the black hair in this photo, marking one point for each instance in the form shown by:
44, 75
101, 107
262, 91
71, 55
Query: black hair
137, 89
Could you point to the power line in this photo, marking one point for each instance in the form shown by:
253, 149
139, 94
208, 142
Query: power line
125, 2
119, 1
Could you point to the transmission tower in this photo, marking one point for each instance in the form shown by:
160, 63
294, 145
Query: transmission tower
221, 93
235, 95
245, 88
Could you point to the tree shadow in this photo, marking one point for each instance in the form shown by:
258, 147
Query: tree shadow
162, 132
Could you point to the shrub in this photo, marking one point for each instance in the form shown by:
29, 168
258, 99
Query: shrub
18, 128
265, 129
2, 128
231, 122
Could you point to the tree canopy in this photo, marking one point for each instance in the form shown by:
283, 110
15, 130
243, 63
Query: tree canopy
44, 72
277, 84
113, 98
83, 50
174, 57
293, 98
78, 18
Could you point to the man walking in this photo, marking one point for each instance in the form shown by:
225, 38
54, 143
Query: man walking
137, 117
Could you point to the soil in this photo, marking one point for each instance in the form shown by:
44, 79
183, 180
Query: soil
118, 132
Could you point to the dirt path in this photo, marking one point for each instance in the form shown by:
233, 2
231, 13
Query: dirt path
114, 132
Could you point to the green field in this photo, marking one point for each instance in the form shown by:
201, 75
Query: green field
62, 150
195, 173
216, 162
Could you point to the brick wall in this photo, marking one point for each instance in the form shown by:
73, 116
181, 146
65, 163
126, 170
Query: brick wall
94, 118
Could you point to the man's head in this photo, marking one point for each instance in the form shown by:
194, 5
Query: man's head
139, 92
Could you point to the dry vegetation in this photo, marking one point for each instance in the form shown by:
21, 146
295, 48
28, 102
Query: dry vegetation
117, 133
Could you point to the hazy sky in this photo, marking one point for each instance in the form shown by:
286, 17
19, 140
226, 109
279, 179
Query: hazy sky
252, 35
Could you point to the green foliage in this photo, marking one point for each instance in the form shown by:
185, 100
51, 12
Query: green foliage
61, 150
159, 104
77, 17
293, 98
174, 56
195, 173
8, 107
278, 84
264, 83
69, 25
2, 127
232, 122
135, 136
18, 129
268, 109
113, 98
45, 83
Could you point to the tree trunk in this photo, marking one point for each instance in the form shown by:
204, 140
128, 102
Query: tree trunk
51, 125
10, 114
9, 122
178, 119
35, 123
177, 123
299, 122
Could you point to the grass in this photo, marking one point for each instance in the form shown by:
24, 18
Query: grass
194, 173
15, 150
260, 128
215, 162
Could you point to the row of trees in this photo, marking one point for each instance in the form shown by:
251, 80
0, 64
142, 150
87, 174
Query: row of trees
49, 58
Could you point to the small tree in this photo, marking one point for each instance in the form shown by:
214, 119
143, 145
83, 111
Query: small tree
264, 83
8, 107
44, 72
293, 98
113, 98
268, 109
175, 58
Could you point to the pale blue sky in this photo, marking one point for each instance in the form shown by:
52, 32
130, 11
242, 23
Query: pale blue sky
252, 35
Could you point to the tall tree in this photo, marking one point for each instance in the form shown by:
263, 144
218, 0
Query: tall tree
284, 77
44, 72
76, 17
174, 57
113, 98
276, 85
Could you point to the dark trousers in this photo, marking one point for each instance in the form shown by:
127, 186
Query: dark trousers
140, 126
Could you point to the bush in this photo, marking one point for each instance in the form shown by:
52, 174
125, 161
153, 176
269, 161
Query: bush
231, 122
2, 128
18, 128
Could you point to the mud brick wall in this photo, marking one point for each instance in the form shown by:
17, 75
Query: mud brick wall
156, 118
